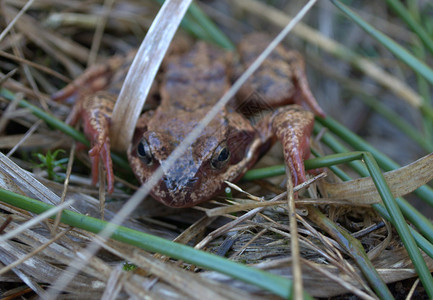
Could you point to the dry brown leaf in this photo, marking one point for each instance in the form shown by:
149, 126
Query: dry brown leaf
401, 182
218, 211
34, 141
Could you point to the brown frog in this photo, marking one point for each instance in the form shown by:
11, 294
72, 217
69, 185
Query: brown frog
191, 83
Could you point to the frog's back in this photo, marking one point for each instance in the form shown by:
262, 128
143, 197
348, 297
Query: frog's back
195, 79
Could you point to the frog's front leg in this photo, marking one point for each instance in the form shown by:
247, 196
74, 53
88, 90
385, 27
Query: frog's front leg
292, 126
95, 112
94, 107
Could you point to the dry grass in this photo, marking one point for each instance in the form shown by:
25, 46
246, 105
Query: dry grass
49, 45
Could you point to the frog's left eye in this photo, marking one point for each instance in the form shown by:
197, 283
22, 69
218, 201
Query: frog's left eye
220, 156
144, 152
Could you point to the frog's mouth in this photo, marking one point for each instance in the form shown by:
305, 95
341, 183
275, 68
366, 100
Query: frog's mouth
178, 192
181, 185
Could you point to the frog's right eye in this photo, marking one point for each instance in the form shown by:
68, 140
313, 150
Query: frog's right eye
220, 156
144, 152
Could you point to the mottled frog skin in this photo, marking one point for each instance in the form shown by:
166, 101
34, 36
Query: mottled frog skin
191, 83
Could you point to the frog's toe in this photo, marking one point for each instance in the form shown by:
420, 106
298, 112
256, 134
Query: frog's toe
69, 92
297, 151
108, 164
293, 127
94, 158
102, 152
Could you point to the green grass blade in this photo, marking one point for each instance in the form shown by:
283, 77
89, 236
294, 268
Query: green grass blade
354, 247
336, 146
405, 15
214, 32
392, 46
333, 159
424, 192
192, 28
400, 224
276, 284
413, 215
197, 23
314, 163
394, 211
393, 206
261, 173
424, 90
399, 123
47, 118
421, 241
421, 223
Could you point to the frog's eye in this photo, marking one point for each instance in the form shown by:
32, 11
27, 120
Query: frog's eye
144, 152
220, 156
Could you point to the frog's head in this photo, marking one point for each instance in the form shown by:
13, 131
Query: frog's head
222, 152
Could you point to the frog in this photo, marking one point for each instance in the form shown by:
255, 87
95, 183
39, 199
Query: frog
190, 83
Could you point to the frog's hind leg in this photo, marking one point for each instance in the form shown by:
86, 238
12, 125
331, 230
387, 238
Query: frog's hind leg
292, 126
304, 95
94, 79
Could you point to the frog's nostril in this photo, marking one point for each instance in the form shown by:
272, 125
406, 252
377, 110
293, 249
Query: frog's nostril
192, 180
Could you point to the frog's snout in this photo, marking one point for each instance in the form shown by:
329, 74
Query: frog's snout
176, 191
175, 184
